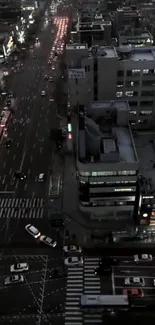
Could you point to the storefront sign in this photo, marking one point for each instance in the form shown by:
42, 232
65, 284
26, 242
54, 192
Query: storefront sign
76, 73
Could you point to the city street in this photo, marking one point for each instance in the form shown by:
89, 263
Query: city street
35, 115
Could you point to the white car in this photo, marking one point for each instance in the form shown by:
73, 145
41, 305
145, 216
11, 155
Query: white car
137, 281
72, 248
13, 279
43, 93
143, 258
33, 231
19, 267
41, 177
74, 261
48, 241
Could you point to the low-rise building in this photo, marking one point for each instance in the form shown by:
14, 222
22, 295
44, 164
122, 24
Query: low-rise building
107, 162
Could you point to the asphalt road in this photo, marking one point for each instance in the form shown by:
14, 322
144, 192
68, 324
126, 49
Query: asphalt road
31, 148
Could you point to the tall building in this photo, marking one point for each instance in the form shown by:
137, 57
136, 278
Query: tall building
107, 162
108, 73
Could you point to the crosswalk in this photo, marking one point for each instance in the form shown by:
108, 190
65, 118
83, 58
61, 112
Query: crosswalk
21, 208
81, 280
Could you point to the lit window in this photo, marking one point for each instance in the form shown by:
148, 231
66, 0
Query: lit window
145, 71
145, 112
119, 94
120, 85
133, 112
129, 93
136, 72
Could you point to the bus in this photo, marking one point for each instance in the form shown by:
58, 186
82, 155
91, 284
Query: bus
54, 187
5, 119
91, 303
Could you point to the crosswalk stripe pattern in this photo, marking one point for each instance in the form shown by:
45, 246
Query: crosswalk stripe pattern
91, 286
81, 280
21, 208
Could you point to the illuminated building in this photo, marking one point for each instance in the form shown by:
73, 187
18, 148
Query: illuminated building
107, 162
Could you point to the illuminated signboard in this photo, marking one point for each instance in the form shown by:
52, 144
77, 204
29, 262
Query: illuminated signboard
76, 73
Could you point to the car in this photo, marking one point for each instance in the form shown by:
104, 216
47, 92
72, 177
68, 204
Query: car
134, 281
5, 108
19, 175
8, 102
46, 77
43, 93
133, 292
49, 62
13, 279
19, 267
7, 143
48, 241
72, 249
37, 39
51, 99
53, 68
51, 79
10, 94
32, 230
41, 177
74, 261
143, 258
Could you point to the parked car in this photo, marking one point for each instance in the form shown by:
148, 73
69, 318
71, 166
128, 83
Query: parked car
14, 279
72, 249
134, 281
19, 267
74, 261
48, 241
143, 258
33, 231
133, 292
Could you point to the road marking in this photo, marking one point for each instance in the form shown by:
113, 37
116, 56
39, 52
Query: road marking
144, 288
136, 266
113, 281
42, 293
142, 276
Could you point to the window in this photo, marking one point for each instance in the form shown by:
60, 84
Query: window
127, 172
120, 73
148, 83
146, 93
132, 112
120, 84
146, 103
146, 71
129, 73
135, 72
119, 94
146, 113
133, 104
104, 173
132, 83
129, 93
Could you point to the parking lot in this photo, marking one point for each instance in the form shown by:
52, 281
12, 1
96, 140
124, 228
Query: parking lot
39, 296
128, 268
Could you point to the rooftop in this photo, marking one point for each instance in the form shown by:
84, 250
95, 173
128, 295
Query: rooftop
104, 134
135, 32
104, 51
90, 26
137, 54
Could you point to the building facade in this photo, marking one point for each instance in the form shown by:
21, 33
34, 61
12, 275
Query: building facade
107, 162
108, 73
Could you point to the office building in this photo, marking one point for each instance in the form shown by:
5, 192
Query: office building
107, 162
108, 73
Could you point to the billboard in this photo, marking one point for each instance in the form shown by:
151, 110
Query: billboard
76, 73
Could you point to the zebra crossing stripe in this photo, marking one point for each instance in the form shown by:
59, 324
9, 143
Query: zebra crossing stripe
20, 208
